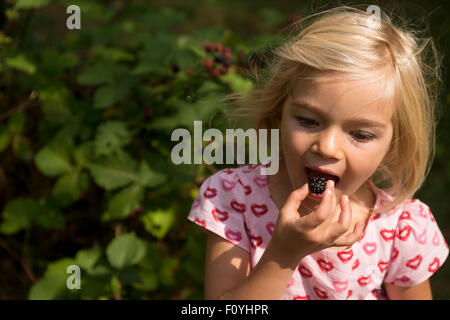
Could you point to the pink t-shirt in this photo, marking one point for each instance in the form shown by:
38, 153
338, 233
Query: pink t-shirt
403, 246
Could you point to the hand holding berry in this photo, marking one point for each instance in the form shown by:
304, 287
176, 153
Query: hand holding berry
298, 236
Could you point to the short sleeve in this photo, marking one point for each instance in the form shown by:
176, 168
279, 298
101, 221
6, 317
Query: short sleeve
219, 207
419, 248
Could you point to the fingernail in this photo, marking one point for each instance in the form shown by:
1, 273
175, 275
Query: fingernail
331, 185
346, 198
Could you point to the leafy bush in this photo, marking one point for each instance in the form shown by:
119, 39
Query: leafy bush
86, 143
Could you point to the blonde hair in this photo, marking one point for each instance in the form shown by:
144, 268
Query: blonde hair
343, 40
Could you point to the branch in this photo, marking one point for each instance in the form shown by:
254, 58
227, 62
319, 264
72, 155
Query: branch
23, 262
23, 106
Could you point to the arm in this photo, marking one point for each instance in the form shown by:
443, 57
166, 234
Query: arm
228, 274
421, 291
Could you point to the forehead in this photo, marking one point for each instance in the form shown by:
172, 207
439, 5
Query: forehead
332, 92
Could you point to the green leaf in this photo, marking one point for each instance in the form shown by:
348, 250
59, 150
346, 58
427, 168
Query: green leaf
155, 56
125, 250
55, 104
111, 136
17, 122
108, 95
50, 217
113, 171
59, 267
21, 63
48, 288
55, 63
149, 178
149, 281
100, 73
168, 270
186, 58
236, 82
87, 258
22, 149
118, 80
70, 187
4, 138
54, 159
84, 154
54, 282
158, 222
115, 285
18, 214
163, 123
149, 268
31, 4
129, 275
21, 212
112, 54
123, 202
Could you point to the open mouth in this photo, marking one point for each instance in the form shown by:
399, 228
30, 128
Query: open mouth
317, 180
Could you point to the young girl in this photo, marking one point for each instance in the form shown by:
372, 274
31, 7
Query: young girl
354, 107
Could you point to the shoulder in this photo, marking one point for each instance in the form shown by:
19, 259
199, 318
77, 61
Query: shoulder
419, 247
408, 210
242, 181
225, 200
409, 222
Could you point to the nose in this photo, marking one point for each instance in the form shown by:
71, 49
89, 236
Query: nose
327, 144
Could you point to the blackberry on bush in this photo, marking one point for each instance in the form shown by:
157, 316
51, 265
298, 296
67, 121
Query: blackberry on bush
317, 184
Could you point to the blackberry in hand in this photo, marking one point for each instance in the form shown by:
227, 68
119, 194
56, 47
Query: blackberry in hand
317, 184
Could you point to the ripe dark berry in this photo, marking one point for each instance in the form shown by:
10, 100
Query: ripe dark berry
227, 53
208, 47
223, 70
208, 64
317, 184
214, 73
175, 68
219, 47
227, 63
219, 58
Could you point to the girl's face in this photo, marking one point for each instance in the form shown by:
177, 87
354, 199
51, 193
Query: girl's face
334, 125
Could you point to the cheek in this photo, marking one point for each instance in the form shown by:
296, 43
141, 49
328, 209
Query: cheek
292, 139
362, 168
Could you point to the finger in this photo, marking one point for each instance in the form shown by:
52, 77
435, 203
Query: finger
352, 237
345, 217
315, 218
334, 206
294, 200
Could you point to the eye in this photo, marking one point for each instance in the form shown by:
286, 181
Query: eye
306, 122
363, 136
359, 135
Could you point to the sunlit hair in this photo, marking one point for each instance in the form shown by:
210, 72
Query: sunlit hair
344, 41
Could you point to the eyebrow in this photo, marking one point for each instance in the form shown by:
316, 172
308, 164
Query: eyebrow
316, 110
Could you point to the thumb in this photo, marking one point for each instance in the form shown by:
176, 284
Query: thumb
295, 199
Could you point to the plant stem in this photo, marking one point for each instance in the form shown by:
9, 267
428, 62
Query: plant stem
23, 262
